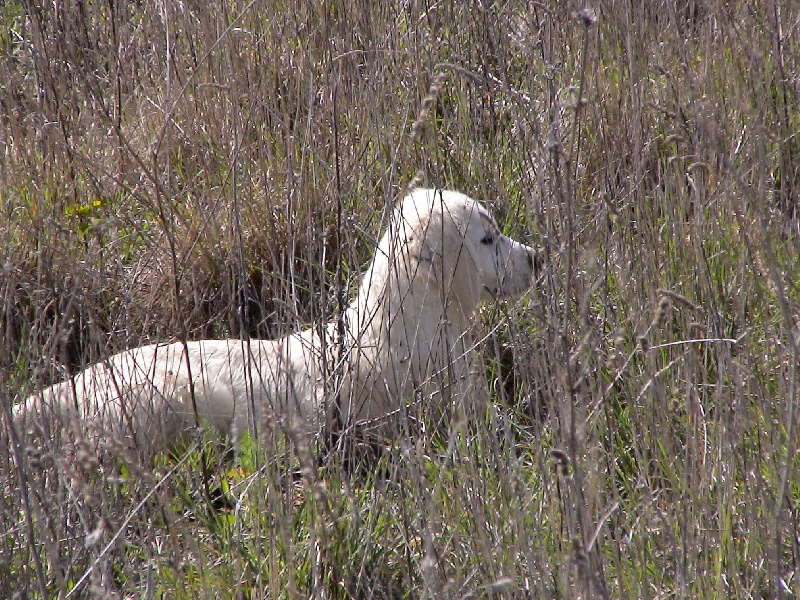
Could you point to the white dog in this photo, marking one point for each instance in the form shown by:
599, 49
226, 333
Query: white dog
405, 337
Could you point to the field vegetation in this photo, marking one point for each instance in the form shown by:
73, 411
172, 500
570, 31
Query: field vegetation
185, 170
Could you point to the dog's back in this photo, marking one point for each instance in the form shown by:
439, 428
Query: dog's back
149, 397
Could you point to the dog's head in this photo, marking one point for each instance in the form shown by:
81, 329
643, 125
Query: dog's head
470, 259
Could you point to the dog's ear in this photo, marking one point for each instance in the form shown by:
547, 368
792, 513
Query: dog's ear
418, 241
423, 250
433, 246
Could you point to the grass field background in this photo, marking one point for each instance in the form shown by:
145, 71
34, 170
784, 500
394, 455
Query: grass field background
182, 170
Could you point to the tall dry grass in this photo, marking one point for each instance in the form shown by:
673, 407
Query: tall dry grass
184, 170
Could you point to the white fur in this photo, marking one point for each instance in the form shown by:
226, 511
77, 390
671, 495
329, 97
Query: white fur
405, 337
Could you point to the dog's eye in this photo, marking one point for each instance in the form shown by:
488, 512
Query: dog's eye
488, 239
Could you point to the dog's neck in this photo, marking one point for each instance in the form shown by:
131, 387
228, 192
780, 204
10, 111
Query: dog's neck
404, 287
401, 337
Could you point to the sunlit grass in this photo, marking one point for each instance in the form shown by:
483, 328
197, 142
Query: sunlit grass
188, 171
